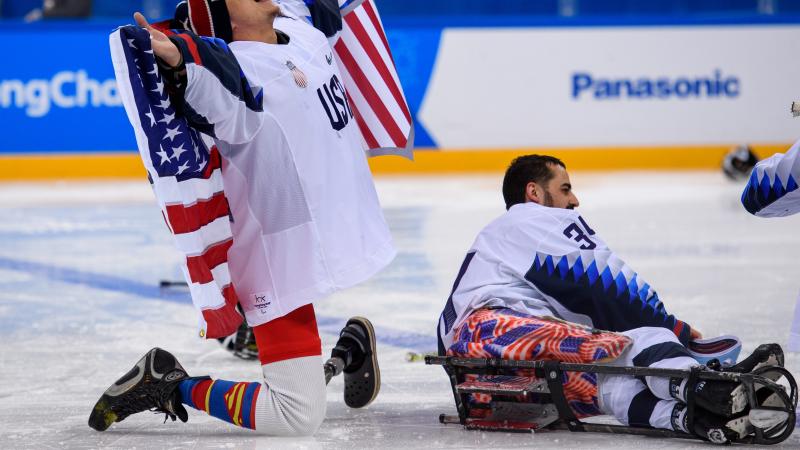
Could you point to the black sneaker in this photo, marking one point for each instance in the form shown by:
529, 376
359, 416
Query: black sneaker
724, 398
150, 385
711, 427
356, 348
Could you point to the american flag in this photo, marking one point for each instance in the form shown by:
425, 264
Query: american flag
371, 80
185, 172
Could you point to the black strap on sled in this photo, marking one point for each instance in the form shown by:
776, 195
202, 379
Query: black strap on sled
691, 382
554, 376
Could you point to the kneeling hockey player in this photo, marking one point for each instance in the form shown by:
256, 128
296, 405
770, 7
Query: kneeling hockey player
537, 284
305, 215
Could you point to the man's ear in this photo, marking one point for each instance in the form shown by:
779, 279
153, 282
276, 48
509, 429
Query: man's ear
533, 193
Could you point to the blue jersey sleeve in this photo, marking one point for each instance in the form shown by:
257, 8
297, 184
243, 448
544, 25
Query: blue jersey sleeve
772, 188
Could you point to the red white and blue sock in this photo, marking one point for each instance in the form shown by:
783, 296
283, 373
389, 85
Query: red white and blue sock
233, 402
285, 345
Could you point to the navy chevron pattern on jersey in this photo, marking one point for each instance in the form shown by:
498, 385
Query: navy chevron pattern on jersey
601, 286
772, 190
761, 192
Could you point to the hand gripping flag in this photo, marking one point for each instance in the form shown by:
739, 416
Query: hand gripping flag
184, 169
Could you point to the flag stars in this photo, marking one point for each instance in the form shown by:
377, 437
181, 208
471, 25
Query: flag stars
159, 87
183, 168
152, 117
171, 133
168, 118
131, 44
178, 151
164, 156
196, 149
164, 104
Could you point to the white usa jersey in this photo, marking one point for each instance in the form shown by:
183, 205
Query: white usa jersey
306, 220
772, 188
548, 262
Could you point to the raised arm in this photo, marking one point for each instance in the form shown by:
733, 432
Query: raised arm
207, 85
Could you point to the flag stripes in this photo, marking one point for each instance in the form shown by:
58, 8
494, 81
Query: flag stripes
187, 219
380, 63
186, 173
200, 266
373, 99
370, 77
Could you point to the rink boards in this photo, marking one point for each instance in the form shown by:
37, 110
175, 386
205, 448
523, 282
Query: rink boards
598, 95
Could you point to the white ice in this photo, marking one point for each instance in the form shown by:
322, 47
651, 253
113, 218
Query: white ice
79, 303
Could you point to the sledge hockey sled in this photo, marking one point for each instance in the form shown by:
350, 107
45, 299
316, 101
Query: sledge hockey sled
519, 404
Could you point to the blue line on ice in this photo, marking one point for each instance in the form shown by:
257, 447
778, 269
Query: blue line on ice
330, 325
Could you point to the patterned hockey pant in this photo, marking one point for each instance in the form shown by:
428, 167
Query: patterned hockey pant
508, 334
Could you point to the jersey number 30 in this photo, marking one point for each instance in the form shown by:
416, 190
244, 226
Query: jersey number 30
577, 234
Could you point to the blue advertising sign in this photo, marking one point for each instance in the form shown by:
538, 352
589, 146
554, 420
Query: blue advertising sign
58, 93
57, 90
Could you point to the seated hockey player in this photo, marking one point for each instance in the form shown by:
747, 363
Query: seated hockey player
537, 284
304, 212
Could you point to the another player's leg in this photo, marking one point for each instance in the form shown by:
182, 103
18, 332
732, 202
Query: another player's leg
720, 407
659, 348
632, 403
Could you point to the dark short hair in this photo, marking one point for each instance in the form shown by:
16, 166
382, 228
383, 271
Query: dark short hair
526, 169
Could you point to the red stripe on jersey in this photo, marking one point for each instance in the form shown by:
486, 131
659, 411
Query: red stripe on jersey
373, 17
374, 101
678, 328
225, 320
200, 266
363, 38
192, 48
186, 219
362, 125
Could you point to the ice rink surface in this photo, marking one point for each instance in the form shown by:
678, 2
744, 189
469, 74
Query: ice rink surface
80, 303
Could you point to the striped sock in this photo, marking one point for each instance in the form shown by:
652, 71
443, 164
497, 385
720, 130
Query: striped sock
233, 402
